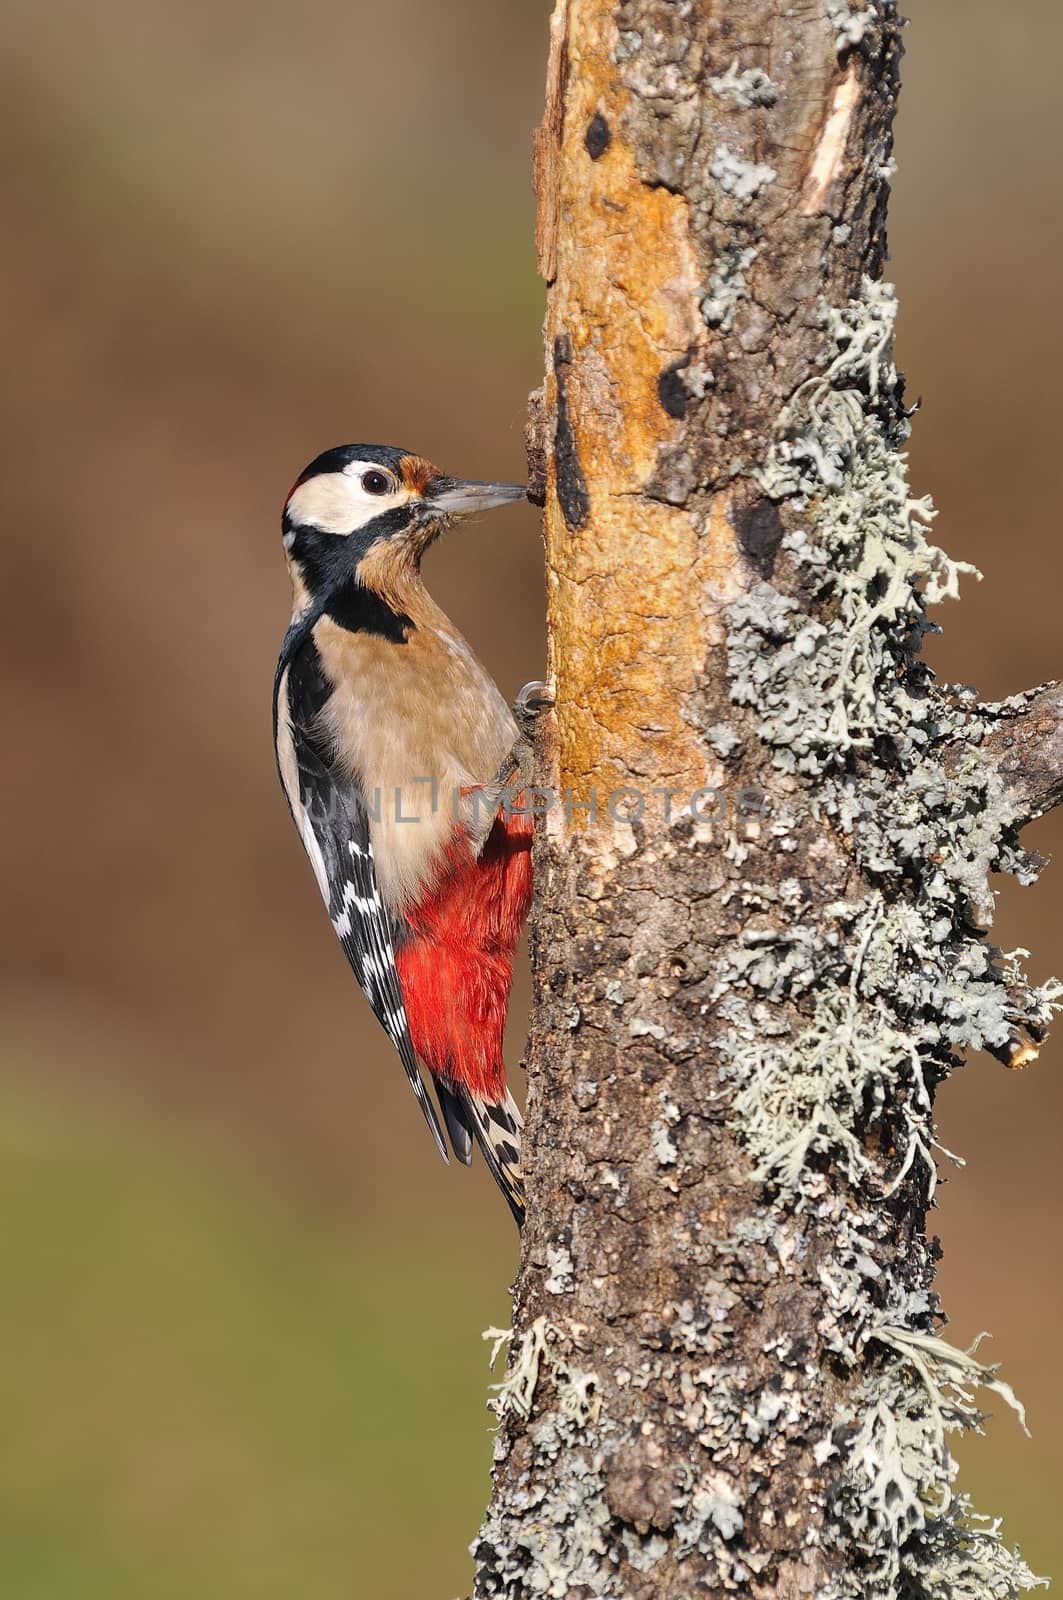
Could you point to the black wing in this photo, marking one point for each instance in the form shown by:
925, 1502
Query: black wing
334, 827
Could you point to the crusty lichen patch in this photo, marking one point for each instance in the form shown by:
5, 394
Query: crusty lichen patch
561, 1546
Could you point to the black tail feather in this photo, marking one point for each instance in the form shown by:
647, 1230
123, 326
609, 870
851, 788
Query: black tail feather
498, 1126
458, 1118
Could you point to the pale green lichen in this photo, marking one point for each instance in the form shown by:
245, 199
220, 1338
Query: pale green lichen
560, 1270
727, 285
713, 1507
817, 681
752, 87
916, 1535
886, 988
840, 1025
540, 1348
562, 1546
662, 1144
799, 1098
742, 180
628, 44
723, 740
849, 25
640, 1027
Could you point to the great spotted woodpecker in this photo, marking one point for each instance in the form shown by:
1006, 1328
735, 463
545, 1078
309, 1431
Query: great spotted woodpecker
403, 767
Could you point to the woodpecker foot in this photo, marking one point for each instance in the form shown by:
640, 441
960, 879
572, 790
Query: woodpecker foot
528, 707
517, 771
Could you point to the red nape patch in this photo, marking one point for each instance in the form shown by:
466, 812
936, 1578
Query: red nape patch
303, 477
457, 970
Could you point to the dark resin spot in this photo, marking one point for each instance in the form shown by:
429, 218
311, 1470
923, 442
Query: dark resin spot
572, 495
759, 529
598, 137
671, 390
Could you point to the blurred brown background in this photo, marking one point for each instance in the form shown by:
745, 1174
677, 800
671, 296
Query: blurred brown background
240, 1300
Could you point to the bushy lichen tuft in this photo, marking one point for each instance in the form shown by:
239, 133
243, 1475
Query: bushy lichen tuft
561, 1547
751, 87
742, 180
850, 24
727, 285
897, 1502
822, 676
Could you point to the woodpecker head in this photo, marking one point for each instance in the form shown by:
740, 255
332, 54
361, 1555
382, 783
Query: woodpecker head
366, 513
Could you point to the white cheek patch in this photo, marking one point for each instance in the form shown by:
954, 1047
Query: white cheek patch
336, 502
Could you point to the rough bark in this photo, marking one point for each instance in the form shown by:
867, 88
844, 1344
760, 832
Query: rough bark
759, 936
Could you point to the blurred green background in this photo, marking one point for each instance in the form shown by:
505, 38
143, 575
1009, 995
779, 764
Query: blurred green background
240, 1300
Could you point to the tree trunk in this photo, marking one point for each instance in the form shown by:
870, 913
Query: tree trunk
758, 942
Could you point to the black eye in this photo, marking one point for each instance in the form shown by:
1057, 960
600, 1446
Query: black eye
376, 482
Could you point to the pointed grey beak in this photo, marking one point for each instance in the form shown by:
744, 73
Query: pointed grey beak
460, 497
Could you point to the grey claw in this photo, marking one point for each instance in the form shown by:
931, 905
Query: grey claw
532, 701
528, 707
